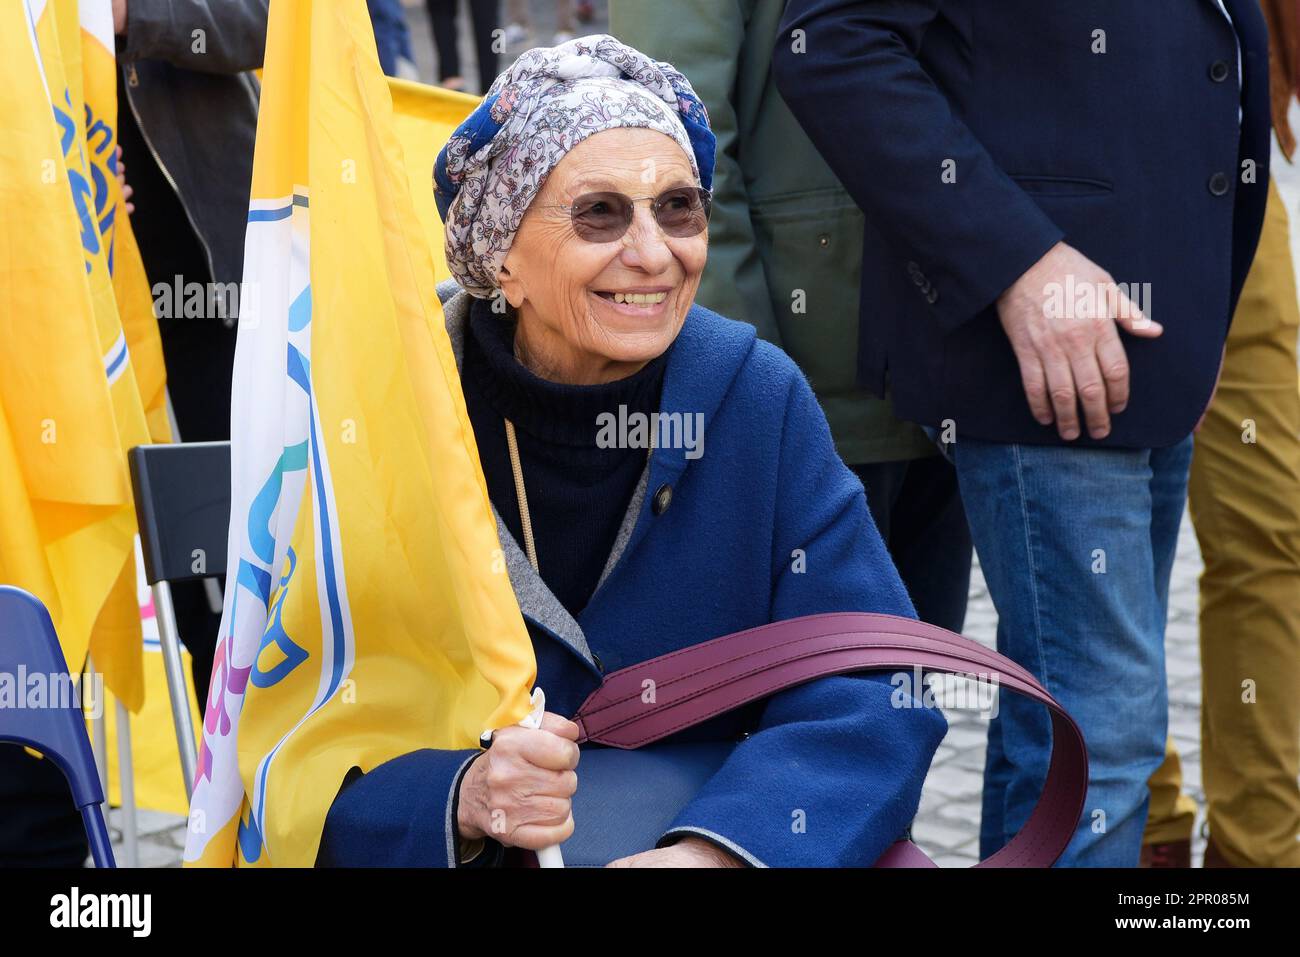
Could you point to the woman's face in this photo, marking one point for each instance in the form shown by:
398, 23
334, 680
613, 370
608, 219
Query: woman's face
571, 328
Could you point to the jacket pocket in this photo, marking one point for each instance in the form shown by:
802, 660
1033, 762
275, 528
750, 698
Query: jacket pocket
811, 247
1049, 185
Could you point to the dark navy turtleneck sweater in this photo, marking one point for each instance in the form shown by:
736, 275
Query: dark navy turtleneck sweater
577, 491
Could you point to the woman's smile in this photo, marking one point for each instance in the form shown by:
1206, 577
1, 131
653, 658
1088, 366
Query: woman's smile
641, 302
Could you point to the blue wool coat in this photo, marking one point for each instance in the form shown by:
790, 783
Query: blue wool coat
766, 524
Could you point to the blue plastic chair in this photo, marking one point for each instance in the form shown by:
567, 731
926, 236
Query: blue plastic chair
28, 640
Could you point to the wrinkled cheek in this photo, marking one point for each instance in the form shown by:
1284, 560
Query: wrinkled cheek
584, 326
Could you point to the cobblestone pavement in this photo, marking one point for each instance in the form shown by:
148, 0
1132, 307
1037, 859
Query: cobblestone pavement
948, 823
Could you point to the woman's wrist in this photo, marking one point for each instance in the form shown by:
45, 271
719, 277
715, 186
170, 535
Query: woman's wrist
707, 851
467, 830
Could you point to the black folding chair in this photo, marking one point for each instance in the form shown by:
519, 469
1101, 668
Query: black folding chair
182, 503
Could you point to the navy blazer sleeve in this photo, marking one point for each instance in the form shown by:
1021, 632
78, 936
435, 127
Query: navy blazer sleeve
833, 774
853, 80
401, 814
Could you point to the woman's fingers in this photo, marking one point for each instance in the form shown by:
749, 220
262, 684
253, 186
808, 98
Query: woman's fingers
540, 811
513, 782
534, 837
539, 747
520, 790
522, 799
558, 724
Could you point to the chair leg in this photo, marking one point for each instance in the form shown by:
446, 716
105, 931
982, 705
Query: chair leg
215, 598
99, 739
182, 717
126, 781
101, 849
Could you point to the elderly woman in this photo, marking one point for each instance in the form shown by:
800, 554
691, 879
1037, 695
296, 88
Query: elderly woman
576, 202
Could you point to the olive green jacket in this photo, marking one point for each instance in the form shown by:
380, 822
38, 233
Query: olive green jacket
785, 240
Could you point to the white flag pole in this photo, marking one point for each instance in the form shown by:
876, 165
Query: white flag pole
547, 856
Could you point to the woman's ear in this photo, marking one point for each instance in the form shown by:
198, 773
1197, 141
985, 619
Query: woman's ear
511, 286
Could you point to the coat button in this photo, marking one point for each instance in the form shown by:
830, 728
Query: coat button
1218, 184
1218, 71
823, 241
663, 498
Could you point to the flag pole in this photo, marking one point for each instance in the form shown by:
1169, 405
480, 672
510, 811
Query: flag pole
547, 856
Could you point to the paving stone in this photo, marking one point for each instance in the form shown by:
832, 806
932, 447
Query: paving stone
936, 834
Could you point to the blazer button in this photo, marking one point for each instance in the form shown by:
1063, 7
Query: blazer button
663, 498
1218, 184
1218, 71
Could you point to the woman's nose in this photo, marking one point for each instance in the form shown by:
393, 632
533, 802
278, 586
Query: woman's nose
644, 243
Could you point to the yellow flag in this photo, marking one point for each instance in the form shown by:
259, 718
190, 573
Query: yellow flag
368, 612
71, 406
130, 285
424, 118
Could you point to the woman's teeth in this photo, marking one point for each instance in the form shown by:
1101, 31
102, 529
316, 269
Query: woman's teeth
638, 298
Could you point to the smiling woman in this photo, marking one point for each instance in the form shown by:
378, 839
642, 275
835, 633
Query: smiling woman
598, 296
576, 202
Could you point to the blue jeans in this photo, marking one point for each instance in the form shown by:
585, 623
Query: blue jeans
1077, 546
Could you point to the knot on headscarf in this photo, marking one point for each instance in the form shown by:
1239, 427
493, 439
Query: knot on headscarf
548, 101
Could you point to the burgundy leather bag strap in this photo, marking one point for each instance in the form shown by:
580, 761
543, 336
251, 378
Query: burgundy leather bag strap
699, 682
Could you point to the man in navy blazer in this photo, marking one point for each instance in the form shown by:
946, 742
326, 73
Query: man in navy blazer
1063, 200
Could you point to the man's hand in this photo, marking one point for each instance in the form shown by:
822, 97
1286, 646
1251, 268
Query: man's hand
688, 852
1060, 317
119, 17
127, 191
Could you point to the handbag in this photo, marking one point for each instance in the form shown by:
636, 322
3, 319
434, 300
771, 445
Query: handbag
633, 787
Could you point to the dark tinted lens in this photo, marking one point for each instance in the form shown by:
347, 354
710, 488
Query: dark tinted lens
601, 217
683, 212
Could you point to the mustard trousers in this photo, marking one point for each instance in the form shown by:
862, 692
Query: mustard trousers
1244, 500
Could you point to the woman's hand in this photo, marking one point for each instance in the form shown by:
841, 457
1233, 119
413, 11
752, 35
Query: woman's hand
688, 852
518, 792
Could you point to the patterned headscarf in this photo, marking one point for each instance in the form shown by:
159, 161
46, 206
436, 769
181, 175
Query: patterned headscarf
549, 101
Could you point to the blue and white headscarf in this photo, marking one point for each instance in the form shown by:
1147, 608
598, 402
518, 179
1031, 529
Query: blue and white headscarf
549, 101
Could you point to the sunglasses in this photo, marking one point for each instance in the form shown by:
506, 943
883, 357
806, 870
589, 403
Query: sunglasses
605, 217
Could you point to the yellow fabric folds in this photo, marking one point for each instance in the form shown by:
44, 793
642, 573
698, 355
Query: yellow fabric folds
70, 402
368, 612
